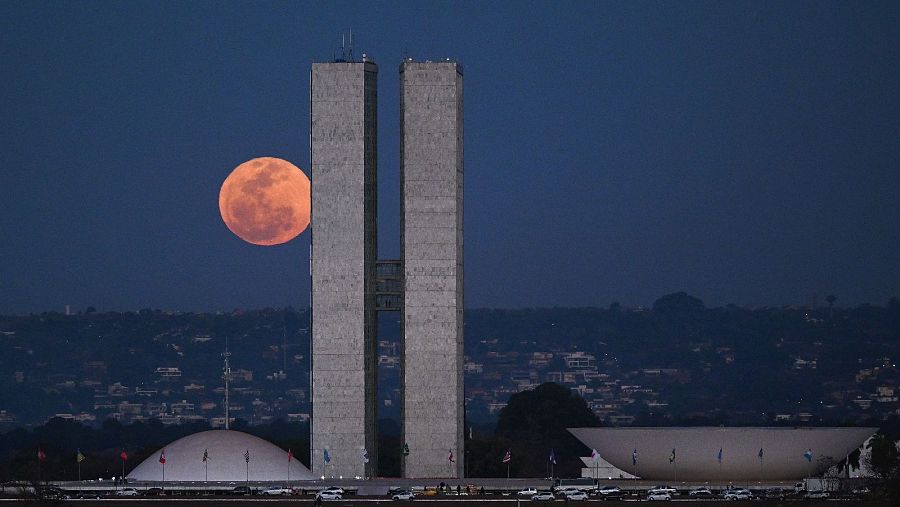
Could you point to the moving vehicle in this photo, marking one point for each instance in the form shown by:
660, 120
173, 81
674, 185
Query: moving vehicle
777, 493
544, 496
738, 494
127, 492
157, 492
527, 492
582, 483
238, 490
277, 490
609, 492
335, 489
701, 492
658, 495
402, 495
576, 495
328, 496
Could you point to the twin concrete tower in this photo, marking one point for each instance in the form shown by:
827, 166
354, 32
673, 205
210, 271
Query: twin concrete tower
349, 284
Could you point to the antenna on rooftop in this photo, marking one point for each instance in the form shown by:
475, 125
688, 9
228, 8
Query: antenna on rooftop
350, 58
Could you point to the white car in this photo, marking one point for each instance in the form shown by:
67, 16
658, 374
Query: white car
544, 496
656, 496
402, 495
328, 496
527, 492
127, 492
700, 493
738, 494
663, 489
576, 495
335, 489
277, 490
608, 491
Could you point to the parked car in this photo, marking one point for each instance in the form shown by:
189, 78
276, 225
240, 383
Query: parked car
658, 495
328, 496
816, 494
701, 492
241, 490
127, 492
576, 495
277, 491
776, 493
402, 495
663, 489
609, 492
527, 492
335, 489
544, 496
154, 492
738, 494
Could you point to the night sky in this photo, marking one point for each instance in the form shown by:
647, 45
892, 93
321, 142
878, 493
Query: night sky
744, 152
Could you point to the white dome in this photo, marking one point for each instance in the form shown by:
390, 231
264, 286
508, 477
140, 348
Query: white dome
225, 450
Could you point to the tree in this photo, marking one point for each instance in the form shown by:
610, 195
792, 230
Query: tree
536, 421
884, 458
678, 303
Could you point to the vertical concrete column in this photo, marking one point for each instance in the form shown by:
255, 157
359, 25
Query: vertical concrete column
343, 98
431, 169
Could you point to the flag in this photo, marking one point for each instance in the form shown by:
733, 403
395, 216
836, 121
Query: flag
205, 455
760, 453
720, 455
595, 456
162, 456
41, 455
634, 457
450, 458
552, 457
247, 456
365, 455
808, 455
405, 450
672, 457
508, 456
290, 455
327, 457
79, 457
123, 455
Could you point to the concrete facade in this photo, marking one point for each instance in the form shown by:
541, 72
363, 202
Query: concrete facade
431, 172
343, 129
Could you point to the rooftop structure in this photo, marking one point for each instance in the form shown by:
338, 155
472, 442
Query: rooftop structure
720, 453
226, 452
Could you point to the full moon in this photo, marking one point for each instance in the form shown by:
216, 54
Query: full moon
265, 201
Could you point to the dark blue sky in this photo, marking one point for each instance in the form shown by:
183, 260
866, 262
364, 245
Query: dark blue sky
744, 152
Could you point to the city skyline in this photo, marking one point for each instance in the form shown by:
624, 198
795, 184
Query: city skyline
743, 153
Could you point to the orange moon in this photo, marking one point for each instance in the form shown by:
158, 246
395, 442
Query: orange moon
265, 201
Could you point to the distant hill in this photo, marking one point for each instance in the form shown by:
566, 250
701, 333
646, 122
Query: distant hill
677, 362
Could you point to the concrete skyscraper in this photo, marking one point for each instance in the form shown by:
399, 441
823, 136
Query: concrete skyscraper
431, 173
343, 127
